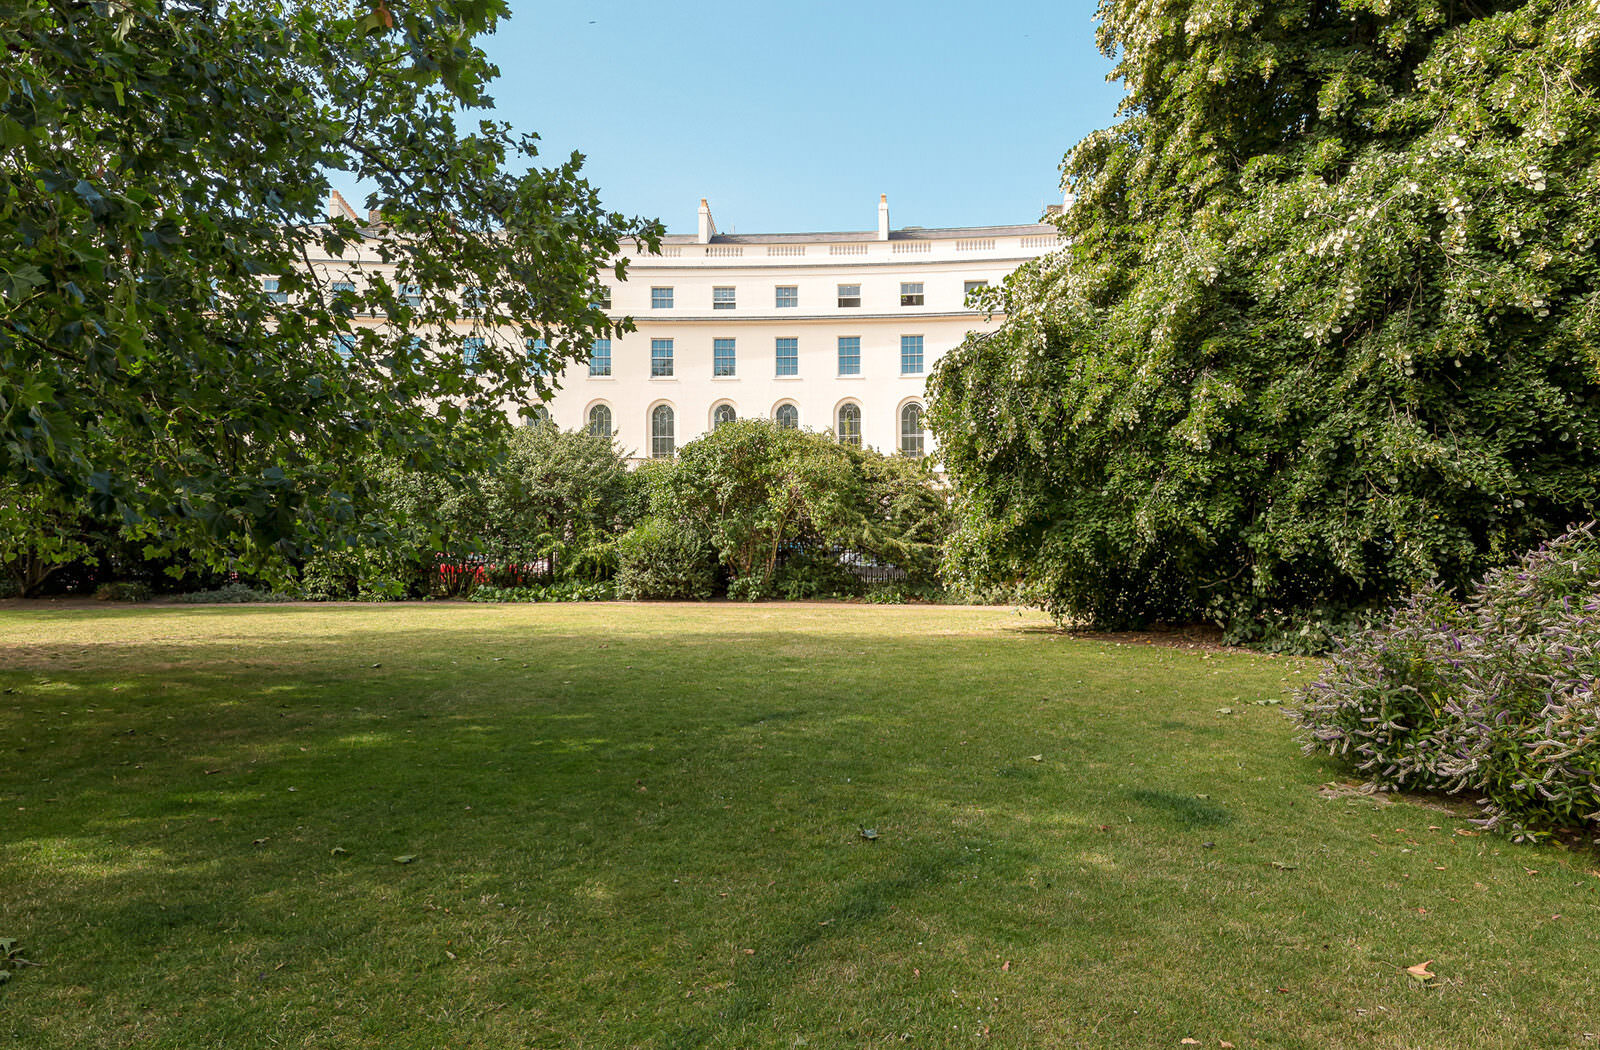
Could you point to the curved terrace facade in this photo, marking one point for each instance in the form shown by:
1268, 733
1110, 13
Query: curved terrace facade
829, 331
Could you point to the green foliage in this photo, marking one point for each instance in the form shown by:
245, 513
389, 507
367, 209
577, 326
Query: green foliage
663, 559
553, 493
757, 489
124, 591
1327, 323
563, 591
364, 573
161, 160
1493, 698
814, 573
40, 533
231, 594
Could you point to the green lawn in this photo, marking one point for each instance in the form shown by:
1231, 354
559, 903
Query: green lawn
642, 826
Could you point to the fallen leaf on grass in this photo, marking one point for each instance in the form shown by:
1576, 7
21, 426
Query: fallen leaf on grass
1005, 967
338, 851
1421, 973
1186, 1041
259, 842
1281, 866
1224, 710
405, 858
1037, 758
1225, 1045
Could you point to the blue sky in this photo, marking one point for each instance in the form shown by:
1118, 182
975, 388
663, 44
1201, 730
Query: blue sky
794, 117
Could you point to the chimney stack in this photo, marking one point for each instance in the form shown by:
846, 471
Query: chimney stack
339, 208
883, 216
708, 226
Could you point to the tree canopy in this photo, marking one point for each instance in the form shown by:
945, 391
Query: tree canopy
1326, 324
162, 159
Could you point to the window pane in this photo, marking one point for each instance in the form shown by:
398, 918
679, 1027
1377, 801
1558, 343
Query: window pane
600, 421
788, 295
600, 358
788, 417
471, 351
538, 355
661, 357
722, 357
911, 430
722, 414
722, 299
849, 295
661, 440
968, 287
910, 293
661, 298
910, 355
788, 357
849, 355
849, 430
541, 415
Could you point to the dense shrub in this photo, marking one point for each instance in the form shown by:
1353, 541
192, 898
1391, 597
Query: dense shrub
124, 591
561, 591
659, 558
364, 574
1493, 697
813, 573
231, 594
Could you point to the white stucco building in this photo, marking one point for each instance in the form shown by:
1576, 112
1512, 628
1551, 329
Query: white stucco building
830, 331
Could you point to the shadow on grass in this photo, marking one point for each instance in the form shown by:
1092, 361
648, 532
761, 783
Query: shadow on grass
187, 796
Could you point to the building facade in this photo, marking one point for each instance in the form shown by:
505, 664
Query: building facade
828, 331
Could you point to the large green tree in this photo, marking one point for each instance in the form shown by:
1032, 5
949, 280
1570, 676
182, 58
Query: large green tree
159, 160
1326, 322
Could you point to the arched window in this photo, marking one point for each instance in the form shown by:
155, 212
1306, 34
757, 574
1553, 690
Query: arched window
541, 415
600, 421
849, 431
722, 414
662, 445
788, 417
911, 430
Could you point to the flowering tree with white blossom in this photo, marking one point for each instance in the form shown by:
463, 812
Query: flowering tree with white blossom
1326, 324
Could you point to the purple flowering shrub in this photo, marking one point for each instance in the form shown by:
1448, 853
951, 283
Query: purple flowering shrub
1493, 697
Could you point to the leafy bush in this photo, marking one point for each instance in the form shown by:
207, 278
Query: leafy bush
1493, 697
564, 591
659, 558
231, 594
124, 591
365, 574
813, 574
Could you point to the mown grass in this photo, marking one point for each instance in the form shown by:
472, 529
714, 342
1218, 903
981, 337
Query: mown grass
641, 826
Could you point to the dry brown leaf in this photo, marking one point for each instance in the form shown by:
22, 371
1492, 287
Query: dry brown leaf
1421, 971
1005, 967
1225, 1045
1186, 1041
